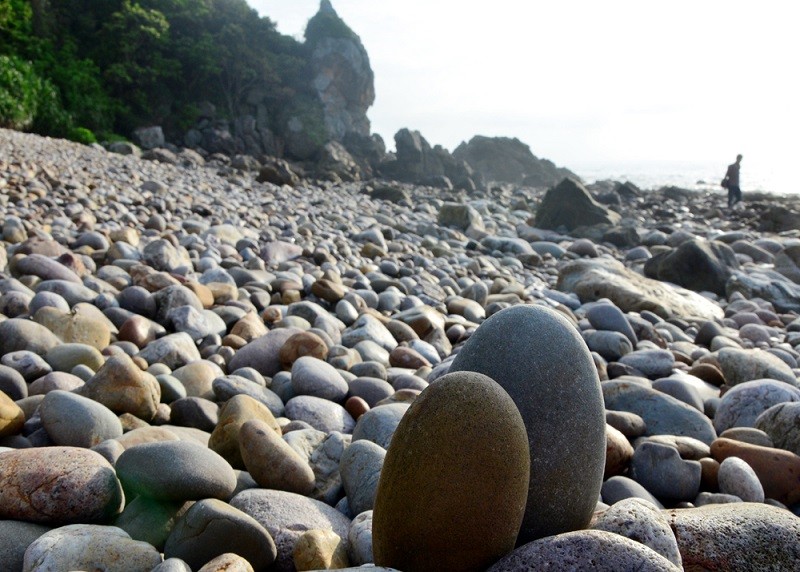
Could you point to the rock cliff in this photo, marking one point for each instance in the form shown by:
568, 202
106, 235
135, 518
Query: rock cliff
506, 160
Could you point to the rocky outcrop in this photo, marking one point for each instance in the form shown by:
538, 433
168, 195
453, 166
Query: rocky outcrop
341, 73
415, 161
507, 160
570, 205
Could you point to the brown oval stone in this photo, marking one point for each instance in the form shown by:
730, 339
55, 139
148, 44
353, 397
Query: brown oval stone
460, 454
237, 411
138, 330
271, 462
302, 344
249, 327
619, 452
356, 406
404, 356
58, 485
778, 470
708, 477
708, 372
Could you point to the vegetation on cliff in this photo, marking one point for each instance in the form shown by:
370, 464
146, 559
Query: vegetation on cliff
109, 66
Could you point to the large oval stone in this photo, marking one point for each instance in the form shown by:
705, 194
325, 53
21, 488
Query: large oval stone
539, 358
57, 485
459, 455
176, 471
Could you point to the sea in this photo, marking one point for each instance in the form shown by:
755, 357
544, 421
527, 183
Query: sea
697, 175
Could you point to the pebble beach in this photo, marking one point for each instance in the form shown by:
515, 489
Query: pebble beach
201, 372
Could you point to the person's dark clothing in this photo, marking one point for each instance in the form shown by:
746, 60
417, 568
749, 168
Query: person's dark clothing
734, 191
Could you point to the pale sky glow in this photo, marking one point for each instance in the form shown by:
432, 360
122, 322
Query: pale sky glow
582, 81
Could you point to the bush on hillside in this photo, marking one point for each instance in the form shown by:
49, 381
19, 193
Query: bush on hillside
19, 93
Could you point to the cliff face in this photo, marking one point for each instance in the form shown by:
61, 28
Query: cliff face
341, 74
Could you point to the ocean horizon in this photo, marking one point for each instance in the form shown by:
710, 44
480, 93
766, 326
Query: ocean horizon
695, 175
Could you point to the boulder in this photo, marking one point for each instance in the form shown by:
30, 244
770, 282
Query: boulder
593, 279
698, 265
570, 205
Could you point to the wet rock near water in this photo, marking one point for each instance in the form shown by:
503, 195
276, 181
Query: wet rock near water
204, 368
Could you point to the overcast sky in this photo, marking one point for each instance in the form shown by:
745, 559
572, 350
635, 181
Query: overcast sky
582, 81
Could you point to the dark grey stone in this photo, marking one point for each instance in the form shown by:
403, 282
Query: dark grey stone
524, 349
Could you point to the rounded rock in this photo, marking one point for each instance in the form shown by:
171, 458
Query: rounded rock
211, 528
76, 421
58, 485
594, 550
524, 349
736, 477
175, 471
89, 547
271, 462
643, 522
447, 458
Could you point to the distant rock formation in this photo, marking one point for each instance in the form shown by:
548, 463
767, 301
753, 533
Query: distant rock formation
570, 205
341, 73
506, 160
417, 162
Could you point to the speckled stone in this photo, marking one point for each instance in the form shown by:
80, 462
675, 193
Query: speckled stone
286, 516
524, 348
736, 477
449, 462
743, 403
321, 414
595, 550
58, 485
211, 528
89, 547
360, 468
782, 424
643, 522
737, 536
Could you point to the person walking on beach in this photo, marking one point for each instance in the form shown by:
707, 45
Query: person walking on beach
731, 182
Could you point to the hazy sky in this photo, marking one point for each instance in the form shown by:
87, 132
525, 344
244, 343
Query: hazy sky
582, 81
